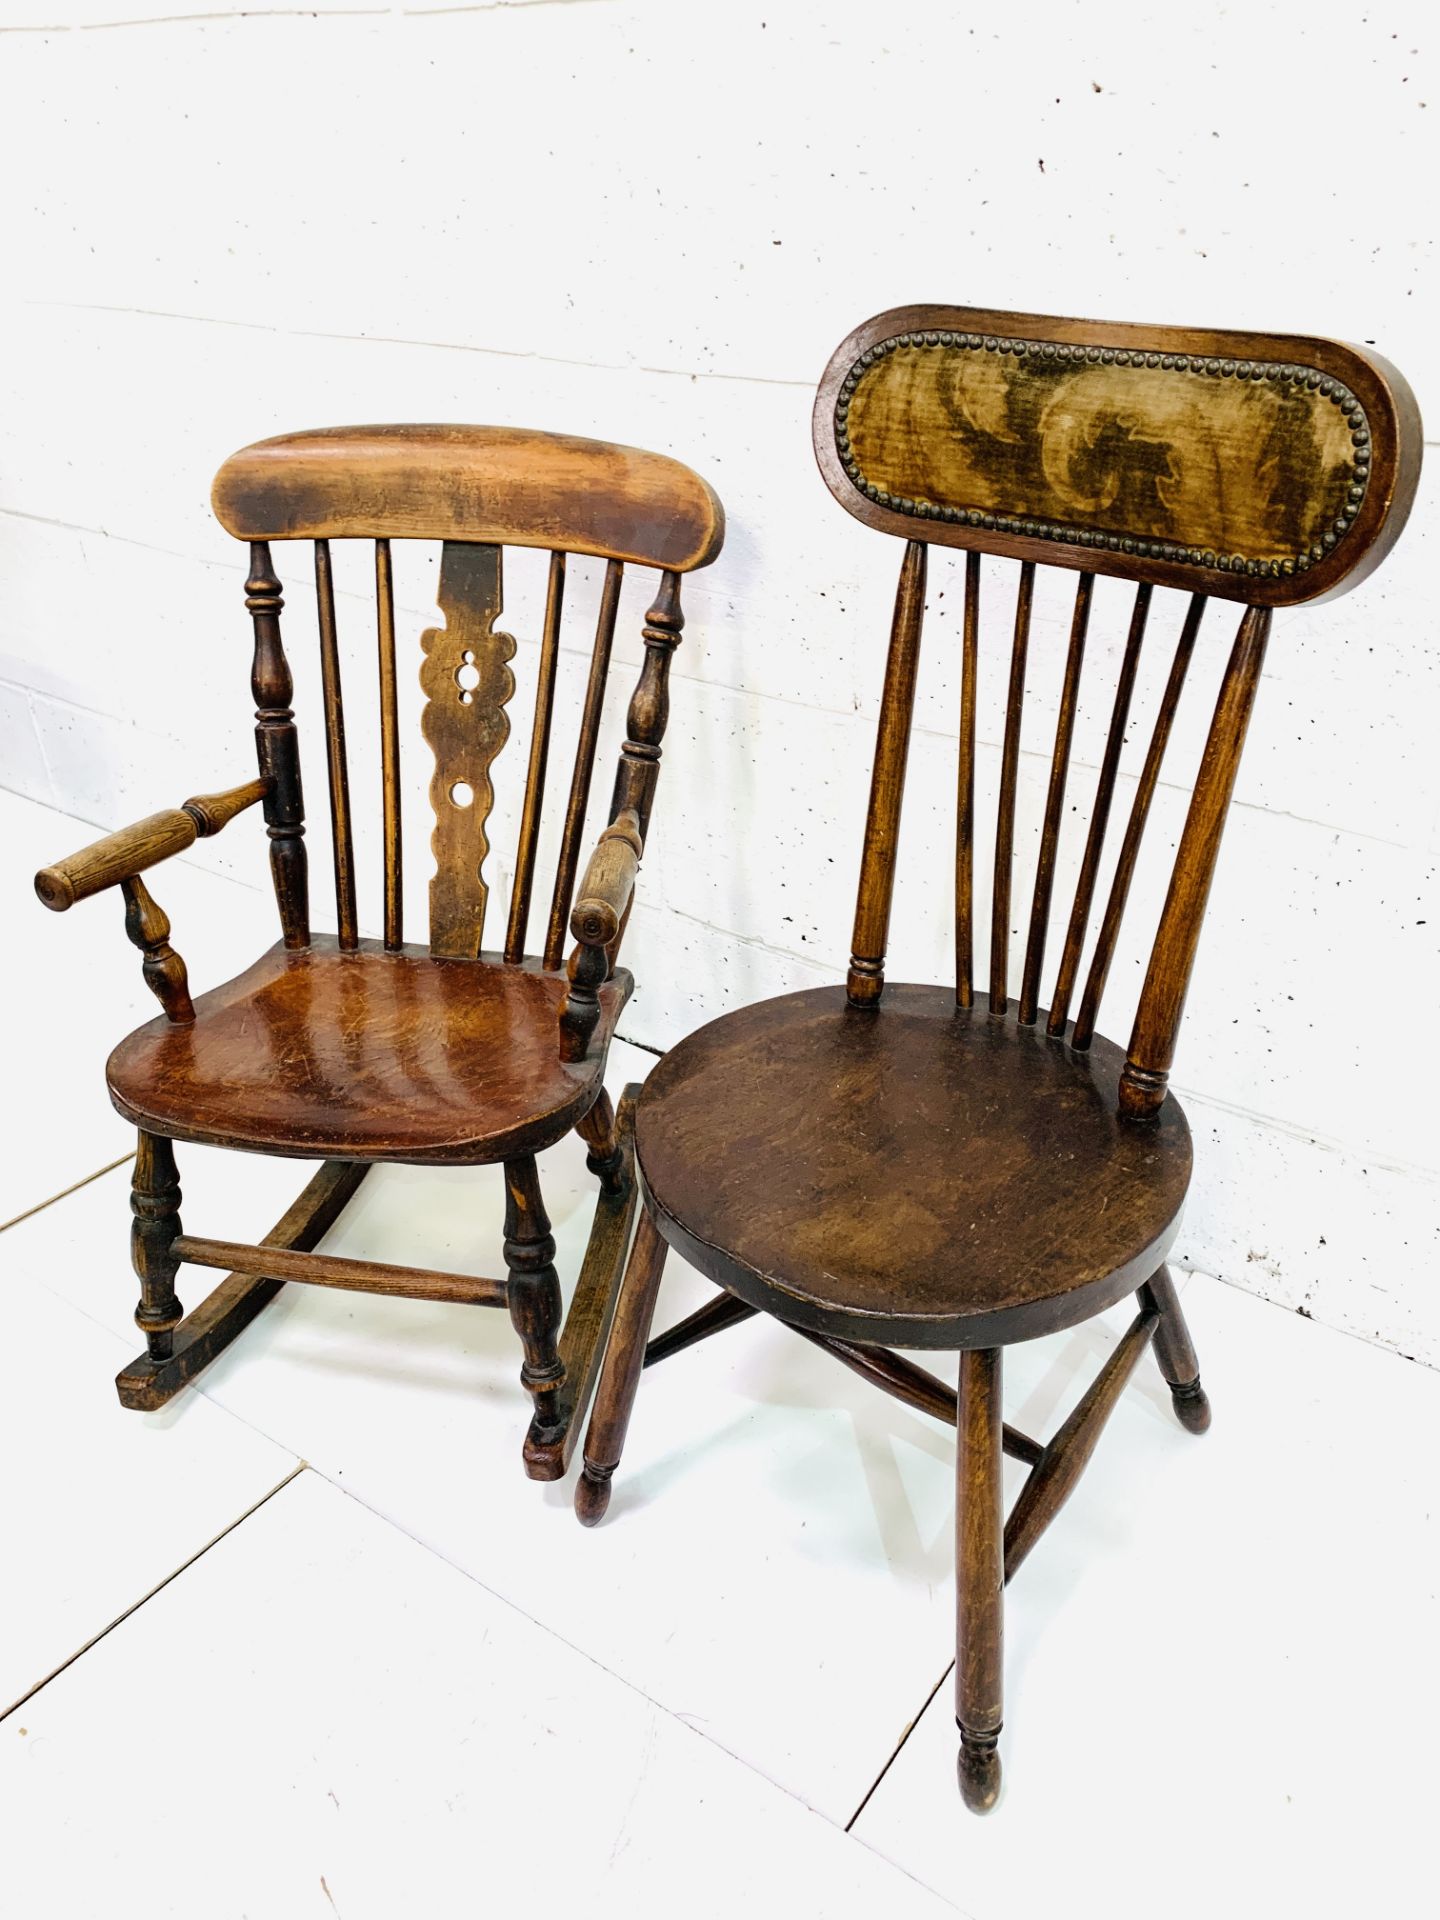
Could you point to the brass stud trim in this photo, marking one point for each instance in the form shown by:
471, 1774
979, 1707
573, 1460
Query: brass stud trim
1203, 367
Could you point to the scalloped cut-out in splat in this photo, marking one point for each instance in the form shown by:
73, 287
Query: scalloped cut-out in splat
467, 683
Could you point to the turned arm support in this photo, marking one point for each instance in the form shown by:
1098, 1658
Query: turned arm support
119, 860
131, 851
609, 882
598, 916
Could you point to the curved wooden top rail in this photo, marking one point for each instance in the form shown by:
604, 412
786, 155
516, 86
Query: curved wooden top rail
1267, 468
504, 486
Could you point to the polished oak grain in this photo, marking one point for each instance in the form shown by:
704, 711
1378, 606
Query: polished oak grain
324, 1054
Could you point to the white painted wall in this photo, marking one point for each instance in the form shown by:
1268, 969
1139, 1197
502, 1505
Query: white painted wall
652, 222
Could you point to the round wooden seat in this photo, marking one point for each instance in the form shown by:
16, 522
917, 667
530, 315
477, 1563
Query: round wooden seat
913, 1173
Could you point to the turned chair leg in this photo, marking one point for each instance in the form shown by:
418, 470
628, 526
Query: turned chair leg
606, 1157
1175, 1351
624, 1358
155, 1203
979, 1576
534, 1292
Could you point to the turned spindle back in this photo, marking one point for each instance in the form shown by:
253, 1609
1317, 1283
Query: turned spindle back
1255, 468
476, 490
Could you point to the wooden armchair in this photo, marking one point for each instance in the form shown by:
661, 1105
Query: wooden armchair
882, 1166
353, 1051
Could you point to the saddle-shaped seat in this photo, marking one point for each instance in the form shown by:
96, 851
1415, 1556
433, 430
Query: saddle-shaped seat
368, 1055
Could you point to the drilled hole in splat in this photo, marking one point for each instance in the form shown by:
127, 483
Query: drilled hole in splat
467, 678
462, 794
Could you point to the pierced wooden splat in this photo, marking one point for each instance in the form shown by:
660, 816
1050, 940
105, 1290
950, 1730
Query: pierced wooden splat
467, 683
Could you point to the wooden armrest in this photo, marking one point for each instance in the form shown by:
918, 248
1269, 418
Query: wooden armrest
609, 882
124, 855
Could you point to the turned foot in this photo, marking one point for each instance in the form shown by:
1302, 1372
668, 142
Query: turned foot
1192, 1408
979, 1769
620, 1375
1175, 1351
592, 1495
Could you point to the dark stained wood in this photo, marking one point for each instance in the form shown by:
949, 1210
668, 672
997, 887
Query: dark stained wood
467, 683
647, 717
534, 1292
1099, 819
1175, 1351
321, 1054
928, 1168
1055, 803
155, 1210
1105, 940
389, 748
539, 759
965, 793
1167, 980
148, 927
330, 1270
1258, 467
599, 1130
277, 748
954, 1109
206, 1331
1005, 815
724, 1310
579, 799
620, 1373
337, 765
1055, 1476
979, 1577
592, 1307
502, 486
865, 981
902, 1379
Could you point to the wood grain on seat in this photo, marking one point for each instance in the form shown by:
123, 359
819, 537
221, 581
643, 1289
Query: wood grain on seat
914, 1173
319, 1053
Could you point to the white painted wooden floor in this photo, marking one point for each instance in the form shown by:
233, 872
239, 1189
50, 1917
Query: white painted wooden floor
308, 1643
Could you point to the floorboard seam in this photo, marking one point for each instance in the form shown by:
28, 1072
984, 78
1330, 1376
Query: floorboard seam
619, 1678
65, 1192
870, 1790
159, 1587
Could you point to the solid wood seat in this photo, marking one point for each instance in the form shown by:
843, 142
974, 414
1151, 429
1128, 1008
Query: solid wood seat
367, 1054
918, 1174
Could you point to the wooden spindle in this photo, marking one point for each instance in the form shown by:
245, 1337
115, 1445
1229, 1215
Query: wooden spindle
155, 1206
865, 981
980, 1575
389, 748
539, 756
646, 719
1104, 953
965, 794
1005, 817
584, 766
1146, 1071
1055, 804
148, 927
1099, 817
335, 750
277, 749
